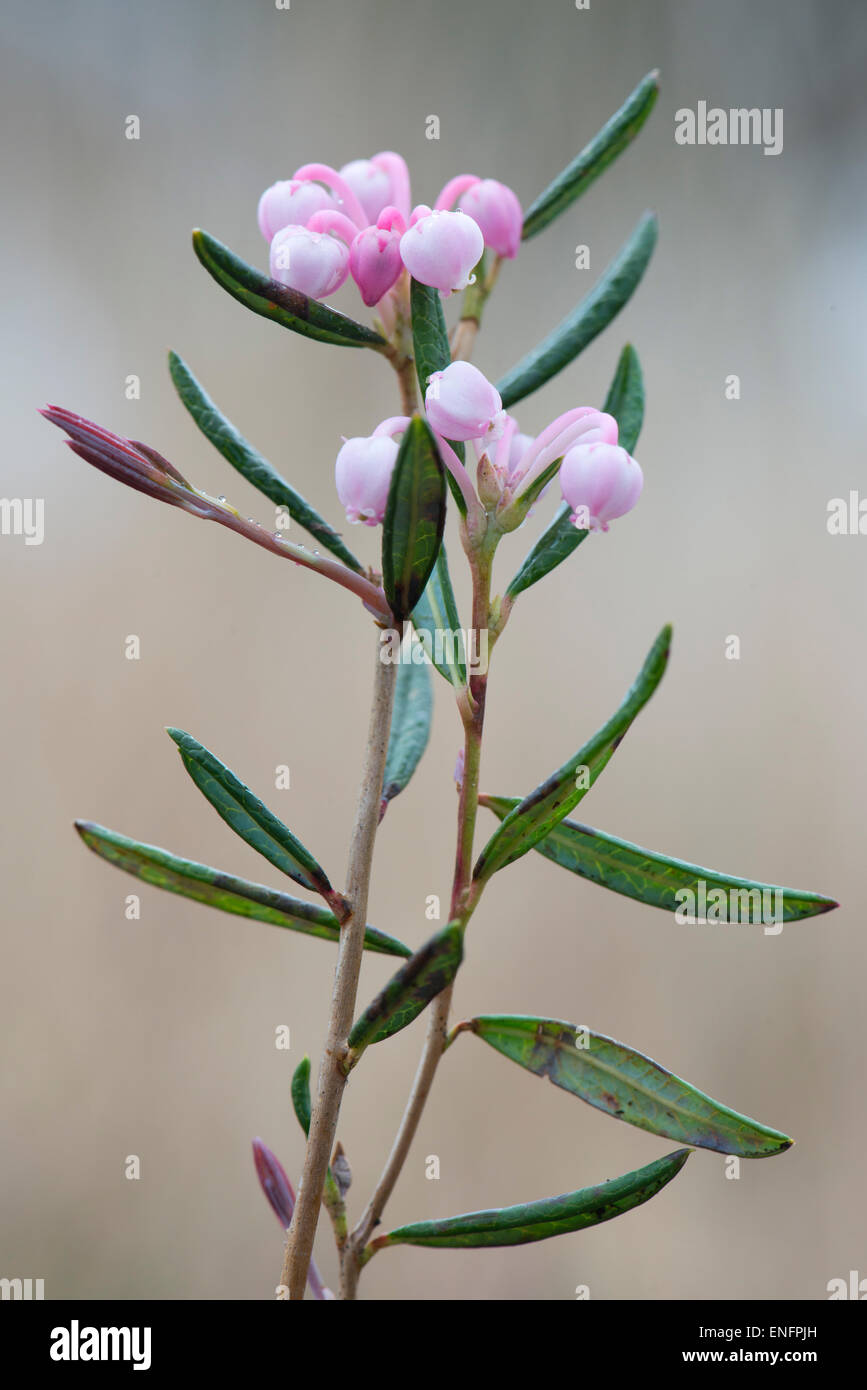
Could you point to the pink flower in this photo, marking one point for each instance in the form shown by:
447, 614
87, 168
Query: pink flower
374, 256
344, 198
290, 201
583, 424
398, 180
600, 481
312, 262
492, 205
370, 184
363, 474
462, 404
497, 211
441, 248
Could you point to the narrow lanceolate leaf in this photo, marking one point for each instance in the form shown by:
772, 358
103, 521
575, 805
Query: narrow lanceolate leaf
301, 1094
662, 881
587, 320
277, 302
614, 136
250, 464
429, 333
555, 545
552, 1216
625, 401
249, 817
537, 815
430, 341
626, 1084
410, 990
415, 515
214, 888
410, 727
436, 620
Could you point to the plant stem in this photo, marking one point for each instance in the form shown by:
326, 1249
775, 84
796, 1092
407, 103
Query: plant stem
408, 389
323, 1124
464, 336
435, 1040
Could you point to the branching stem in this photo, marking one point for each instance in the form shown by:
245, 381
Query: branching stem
473, 714
323, 1124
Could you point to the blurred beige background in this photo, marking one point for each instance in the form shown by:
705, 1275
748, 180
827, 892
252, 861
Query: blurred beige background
155, 1037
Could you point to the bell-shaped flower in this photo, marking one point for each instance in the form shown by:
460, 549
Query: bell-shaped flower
370, 184
583, 424
462, 404
441, 248
312, 262
374, 256
600, 481
492, 205
363, 472
291, 201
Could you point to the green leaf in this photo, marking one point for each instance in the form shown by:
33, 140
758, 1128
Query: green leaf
437, 613
624, 1083
659, 879
410, 727
224, 891
625, 401
430, 341
301, 1094
552, 1216
536, 816
250, 464
603, 149
429, 333
277, 302
555, 545
587, 320
415, 515
249, 817
409, 991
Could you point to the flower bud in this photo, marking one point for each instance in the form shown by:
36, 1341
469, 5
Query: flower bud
498, 213
374, 262
291, 201
489, 484
370, 184
600, 482
274, 1183
363, 475
441, 248
461, 403
314, 263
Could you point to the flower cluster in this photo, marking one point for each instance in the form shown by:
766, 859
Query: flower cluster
324, 225
598, 478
